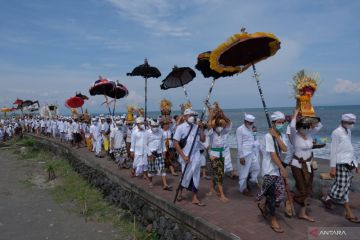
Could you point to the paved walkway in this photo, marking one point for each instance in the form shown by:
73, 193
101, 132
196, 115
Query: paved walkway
240, 216
29, 212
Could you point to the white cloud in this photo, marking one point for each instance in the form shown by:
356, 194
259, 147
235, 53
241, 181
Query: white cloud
346, 86
152, 14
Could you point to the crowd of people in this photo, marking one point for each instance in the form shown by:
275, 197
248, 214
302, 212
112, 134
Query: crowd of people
184, 144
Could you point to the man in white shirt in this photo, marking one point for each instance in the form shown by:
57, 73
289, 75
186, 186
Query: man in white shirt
138, 149
75, 126
245, 143
117, 148
273, 171
191, 177
342, 163
156, 151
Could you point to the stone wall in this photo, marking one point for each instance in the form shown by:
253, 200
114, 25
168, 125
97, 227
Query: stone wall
167, 220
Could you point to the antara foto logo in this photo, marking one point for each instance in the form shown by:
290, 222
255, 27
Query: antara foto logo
314, 232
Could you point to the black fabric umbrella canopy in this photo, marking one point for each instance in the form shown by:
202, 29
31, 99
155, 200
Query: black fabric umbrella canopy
101, 87
78, 94
203, 65
178, 77
118, 91
145, 70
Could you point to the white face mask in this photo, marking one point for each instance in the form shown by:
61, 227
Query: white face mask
155, 129
349, 126
219, 129
191, 119
142, 126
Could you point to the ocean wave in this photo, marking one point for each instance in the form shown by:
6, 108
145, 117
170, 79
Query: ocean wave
320, 153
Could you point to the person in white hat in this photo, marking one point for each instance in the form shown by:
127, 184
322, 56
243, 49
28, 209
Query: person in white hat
342, 163
117, 146
245, 143
273, 171
138, 149
156, 153
185, 135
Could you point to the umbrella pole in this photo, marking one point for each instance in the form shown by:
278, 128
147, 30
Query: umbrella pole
107, 103
186, 94
193, 143
113, 112
145, 101
256, 76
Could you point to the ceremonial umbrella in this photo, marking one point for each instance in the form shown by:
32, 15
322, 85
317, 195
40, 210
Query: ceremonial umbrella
146, 71
74, 102
178, 77
18, 101
78, 94
102, 86
243, 50
118, 91
203, 65
240, 52
6, 110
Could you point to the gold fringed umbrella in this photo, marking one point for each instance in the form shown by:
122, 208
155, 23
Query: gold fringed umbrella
243, 50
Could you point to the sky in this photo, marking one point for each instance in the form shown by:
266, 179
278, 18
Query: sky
51, 49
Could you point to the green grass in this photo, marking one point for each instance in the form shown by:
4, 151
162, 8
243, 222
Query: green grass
86, 200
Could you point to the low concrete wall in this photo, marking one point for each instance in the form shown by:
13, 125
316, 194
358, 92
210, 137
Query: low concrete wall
168, 220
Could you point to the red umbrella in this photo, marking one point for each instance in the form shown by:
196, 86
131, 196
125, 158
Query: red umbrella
18, 101
74, 102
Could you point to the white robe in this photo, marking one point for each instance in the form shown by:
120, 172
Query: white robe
193, 168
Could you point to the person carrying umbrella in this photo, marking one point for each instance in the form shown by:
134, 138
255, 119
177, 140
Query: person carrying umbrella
184, 137
273, 188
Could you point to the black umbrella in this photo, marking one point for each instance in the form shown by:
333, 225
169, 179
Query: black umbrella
146, 71
78, 94
178, 77
203, 65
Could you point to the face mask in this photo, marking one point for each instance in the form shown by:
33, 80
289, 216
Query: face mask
349, 126
155, 129
218, 129
119, 126
280, 127
191, 119
142, 126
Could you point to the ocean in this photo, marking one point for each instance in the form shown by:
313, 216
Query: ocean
330, 118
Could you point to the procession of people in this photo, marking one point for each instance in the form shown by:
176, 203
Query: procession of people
194, 145
150, 153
